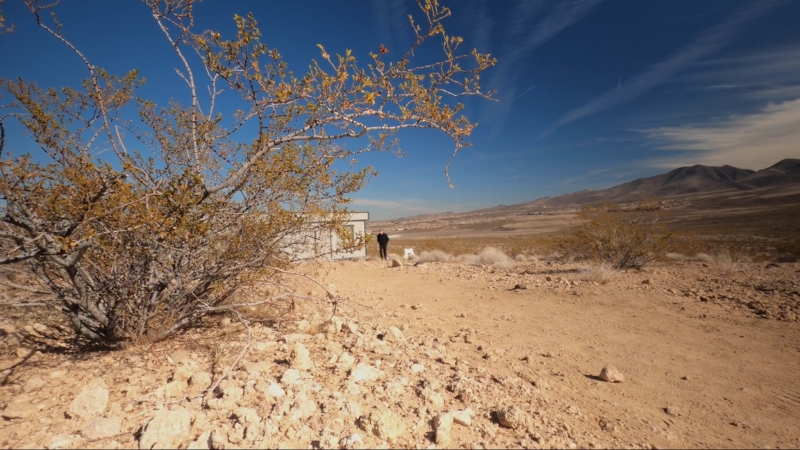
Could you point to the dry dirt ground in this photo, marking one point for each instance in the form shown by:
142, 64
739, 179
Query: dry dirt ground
445, 355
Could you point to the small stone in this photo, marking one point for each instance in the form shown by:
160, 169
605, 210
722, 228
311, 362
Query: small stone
396, 263
199, 382
291, 376
520, 287
417, 368
203, 442
611, 374
512, 417
443, 427
646, 281
365, 372
352, 441
394, 335
388, 425
672, 411
417, 306
345, 361
101, 427
91, 401
275, 390
166, 429
24, 352
461, 315
463, 417
34, 383
63, 441
300, 357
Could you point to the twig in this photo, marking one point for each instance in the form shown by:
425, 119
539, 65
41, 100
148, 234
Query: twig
230, 368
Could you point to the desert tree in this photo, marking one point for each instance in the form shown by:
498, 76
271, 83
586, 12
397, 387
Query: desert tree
138, 226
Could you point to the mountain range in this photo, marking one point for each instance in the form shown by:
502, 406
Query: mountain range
693, 180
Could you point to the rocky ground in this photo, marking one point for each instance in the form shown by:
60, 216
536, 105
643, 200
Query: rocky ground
444, 355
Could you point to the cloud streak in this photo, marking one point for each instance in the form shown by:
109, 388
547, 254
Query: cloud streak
524, 35
750, 141
707, 43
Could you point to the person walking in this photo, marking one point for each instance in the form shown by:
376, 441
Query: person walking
383, 242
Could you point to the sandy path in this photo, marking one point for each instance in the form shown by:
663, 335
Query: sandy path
743, 373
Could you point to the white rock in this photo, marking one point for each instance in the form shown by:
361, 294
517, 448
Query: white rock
275, 390
171, 390
463, 417
20, 407
443, 426
91, 401
203, 442
291, 376
293, 338
302, 409
199, 382
300, 357
365, 372
345, 361
63, 441
247, 416
166, 429
352, 328
394, 335
388, 425
352, 441
417, 368
34, 383
611, 374
101, 427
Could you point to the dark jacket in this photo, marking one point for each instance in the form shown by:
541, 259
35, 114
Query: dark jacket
383, 238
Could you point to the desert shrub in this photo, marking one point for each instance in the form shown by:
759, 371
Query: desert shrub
136, 244
624, 238
729, 261
435, 255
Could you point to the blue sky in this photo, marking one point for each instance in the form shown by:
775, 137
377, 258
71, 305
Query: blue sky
591, 93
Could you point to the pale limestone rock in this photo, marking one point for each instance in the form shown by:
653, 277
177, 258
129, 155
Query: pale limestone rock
91, 401
199, 382
352, 441
417, 368
102, 427
167, 429
345, 361
34, 383
171, 390
203, 442
444, 427
388, 425
611, 374
20, 407
63, 441
300, 357
394, 335
365, 372
463, 417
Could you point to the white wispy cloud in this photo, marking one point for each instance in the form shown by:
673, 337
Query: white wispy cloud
394, 29
706, 44
752, 141
524, 34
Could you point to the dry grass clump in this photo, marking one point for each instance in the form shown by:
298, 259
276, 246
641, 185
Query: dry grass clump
599, 272
702, 257
675, 257
435, 255
521, 258
489, 256
728, 261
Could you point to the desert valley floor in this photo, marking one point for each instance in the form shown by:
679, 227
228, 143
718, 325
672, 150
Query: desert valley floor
444, 355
